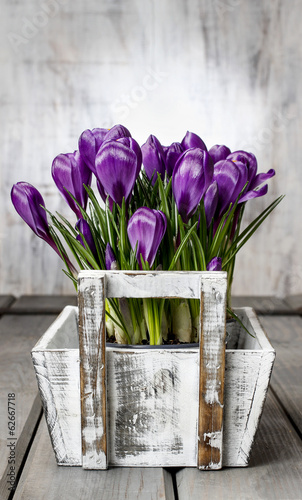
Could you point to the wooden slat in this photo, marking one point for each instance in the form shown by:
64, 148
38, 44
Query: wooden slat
275, 471
285, 334
18, 334
211, 373
42, 478
153, 284
92, 343
42, 304
5, 302
294, 302
22, 445
263, 305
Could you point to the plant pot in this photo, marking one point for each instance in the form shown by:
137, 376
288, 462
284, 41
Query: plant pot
153, 396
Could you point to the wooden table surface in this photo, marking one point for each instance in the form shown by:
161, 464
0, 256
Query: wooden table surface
275, 470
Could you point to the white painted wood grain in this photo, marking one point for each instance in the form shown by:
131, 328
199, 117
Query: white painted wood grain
246, 379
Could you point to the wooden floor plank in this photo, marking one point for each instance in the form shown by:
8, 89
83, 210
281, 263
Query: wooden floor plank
18, 334
42, 479
285, 334
275, 471
42, 304
5, 302
295, 303
263, 305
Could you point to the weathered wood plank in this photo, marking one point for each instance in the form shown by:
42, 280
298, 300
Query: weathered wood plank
263, 305
211, 373
92, 344
275, 471
295, 303
153, 284
20, 450
43, 479
18, 334
286, 336
5, 302
42, 304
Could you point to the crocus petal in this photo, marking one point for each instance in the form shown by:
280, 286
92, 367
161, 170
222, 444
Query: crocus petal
116, 132
215, 264
211, 201
153, 158
83, 227
219, 152
191, 177
242, 180
70, 172
132, 144
227, 176
146, 229
110, 259
28, 203
90, 142
250, 161
192, 140
260, 178
116, 169
254, 194
172, 154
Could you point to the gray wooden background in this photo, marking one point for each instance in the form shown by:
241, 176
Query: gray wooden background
229, 70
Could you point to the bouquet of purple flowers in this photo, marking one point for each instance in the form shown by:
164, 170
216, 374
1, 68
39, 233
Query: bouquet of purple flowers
181, 211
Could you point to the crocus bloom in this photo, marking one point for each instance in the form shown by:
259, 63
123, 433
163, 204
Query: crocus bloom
117, 170
110, 259
219, 152
28, 202
215, 264
116, 132
132, 144
83, 227
192, 175
173, 152
254, 179
210, 201
90, 142
70, 172
146, 228
153, 158
192, 140
231, 178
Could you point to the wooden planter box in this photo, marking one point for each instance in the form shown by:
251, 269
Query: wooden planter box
186, 405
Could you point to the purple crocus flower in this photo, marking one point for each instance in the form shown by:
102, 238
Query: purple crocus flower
90, 142
28, 202
192, 176
210, 202
254, 179
173, 152
215, 264
153, 158
70, 172
132, 144
110, 259
192, 140
117, 170
116, 132
219, 152
83, 227
146, 228
231, 178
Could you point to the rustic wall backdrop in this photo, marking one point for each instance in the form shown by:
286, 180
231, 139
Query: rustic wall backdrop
229, 70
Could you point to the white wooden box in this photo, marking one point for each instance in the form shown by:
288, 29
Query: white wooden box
152, 396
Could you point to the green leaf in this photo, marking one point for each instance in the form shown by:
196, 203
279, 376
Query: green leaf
181, 247
249, 231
